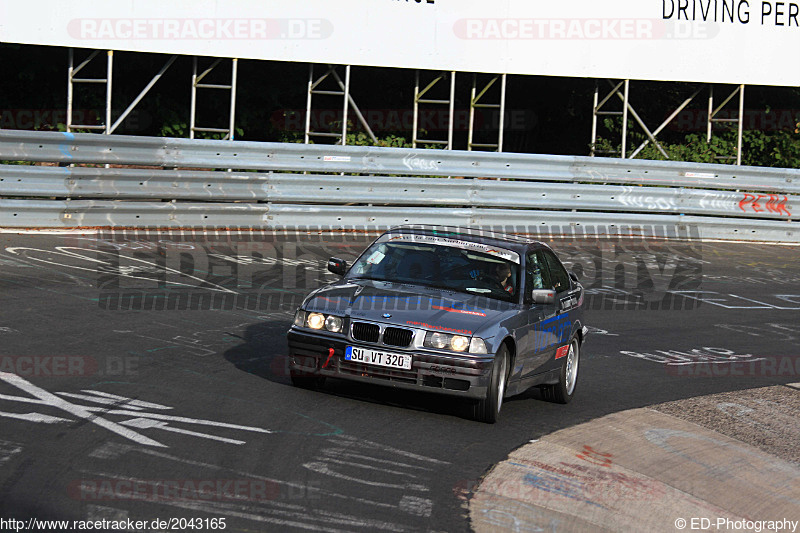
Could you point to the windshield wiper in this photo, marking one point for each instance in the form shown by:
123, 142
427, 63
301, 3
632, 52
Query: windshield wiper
495, 294
371, 278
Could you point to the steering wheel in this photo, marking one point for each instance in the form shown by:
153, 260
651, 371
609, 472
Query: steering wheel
491, 281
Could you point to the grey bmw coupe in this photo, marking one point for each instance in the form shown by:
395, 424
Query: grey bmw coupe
457, 311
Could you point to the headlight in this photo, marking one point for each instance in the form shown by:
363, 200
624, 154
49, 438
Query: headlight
437, 340
333, 323
456, 343
446, 341
316, 320
459, 343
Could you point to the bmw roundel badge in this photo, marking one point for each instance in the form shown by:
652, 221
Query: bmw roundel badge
387, 315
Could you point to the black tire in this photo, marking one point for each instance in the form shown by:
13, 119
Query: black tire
488, 409
305, 380
564, 390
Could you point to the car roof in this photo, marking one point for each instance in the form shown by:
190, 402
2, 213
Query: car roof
494, 238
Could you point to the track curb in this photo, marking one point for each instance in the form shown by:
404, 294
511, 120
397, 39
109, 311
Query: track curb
636, 470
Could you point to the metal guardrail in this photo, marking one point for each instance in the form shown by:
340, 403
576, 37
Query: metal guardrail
377, 187
94, 214
129, 184
243, 155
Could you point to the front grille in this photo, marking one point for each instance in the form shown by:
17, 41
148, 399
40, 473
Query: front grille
377, 372
366, 332
397, 337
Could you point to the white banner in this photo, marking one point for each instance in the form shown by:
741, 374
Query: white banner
755, 42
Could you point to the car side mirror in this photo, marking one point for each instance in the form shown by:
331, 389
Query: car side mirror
337, 266
543, 296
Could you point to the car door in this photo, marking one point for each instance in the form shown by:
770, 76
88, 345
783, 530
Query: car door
558, 327
535, 344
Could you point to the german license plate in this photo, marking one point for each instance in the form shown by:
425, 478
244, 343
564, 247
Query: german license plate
374, 357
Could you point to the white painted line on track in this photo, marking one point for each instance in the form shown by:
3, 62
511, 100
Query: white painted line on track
77, 410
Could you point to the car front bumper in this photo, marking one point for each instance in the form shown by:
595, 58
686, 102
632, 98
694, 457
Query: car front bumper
465, 375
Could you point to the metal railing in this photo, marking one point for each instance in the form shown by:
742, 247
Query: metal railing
294, 185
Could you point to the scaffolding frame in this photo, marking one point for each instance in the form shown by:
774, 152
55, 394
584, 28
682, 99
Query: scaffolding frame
628, 110
419, 99
620, 89
72, 79
347, 102
108, 127
666, 122
712, 117
197, 83
142, 93
475, 103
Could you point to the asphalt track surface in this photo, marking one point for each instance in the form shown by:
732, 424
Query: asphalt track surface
114, 413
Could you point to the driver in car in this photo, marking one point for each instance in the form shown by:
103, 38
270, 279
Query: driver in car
503, 272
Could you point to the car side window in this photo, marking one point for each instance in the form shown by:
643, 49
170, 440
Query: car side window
535, 272
559, 277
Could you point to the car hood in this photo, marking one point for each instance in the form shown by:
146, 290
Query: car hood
408, 305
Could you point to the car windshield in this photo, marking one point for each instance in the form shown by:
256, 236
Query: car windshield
478, 270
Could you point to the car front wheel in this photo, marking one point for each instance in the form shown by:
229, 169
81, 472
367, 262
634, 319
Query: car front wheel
488, 409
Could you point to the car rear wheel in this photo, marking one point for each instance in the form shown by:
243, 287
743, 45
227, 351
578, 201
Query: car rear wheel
488, 409
564, 390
